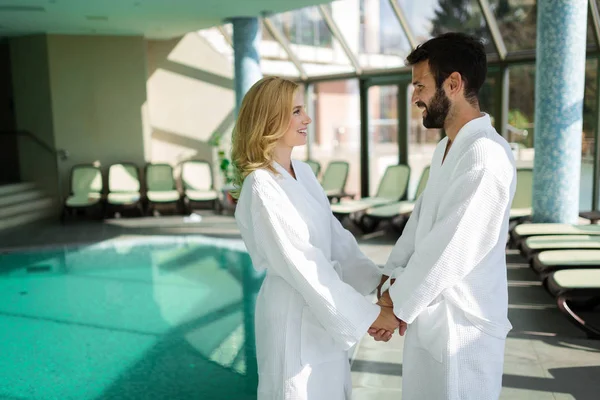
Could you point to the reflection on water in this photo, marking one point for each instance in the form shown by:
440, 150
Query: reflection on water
163, 318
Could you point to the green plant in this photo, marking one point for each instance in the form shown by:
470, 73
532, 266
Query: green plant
225, 166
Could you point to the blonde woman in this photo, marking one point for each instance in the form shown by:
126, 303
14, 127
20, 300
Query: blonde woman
311, 307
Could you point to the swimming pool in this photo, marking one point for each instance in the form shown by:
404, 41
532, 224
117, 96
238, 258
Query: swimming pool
157, 317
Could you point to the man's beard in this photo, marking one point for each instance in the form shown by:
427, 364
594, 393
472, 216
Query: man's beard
437, 110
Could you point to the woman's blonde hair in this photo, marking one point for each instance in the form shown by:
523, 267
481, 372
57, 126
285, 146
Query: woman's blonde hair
263, 119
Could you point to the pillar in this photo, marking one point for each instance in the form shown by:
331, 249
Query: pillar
559, 89
246, 41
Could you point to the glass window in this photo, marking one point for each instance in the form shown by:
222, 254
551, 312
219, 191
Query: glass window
434, 17
487, 96
312, 42
273, 58
521, 110
383, 132
218, 41
588, 148
372, 32
336, 126
517, 21
421, 145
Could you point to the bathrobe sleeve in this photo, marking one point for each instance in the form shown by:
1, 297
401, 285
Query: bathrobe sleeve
344, 313
356, 269
405, 246
469, 225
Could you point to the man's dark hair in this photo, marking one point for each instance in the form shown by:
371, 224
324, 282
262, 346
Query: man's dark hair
454, 52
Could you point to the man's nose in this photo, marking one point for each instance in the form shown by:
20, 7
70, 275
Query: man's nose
414, 98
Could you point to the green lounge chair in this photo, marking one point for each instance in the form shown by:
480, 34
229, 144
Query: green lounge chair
334, 180
536, 244
123, 188
523, 231
549, 261
86, 190
576, 289
161, 187
521, 206
392, 188
399, 208
315, 166
197, 183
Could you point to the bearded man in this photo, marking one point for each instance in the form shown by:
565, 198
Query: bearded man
448, 269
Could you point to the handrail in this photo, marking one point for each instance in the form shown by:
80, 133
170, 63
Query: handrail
44, 145
58, 154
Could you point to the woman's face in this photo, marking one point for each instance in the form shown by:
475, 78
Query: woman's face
296, 132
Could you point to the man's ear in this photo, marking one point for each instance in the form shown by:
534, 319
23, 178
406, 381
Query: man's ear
454, 83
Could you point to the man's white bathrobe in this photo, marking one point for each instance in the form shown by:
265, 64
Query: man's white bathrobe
450, 270
311, 307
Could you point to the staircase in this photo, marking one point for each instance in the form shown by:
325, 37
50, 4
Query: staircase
23, 203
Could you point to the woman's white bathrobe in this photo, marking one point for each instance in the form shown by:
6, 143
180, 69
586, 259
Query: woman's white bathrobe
311, 307
450, 268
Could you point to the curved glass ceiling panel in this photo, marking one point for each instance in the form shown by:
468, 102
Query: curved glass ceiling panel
274, 60
429, 18
312, 42
217, 41
517, 22
372, 32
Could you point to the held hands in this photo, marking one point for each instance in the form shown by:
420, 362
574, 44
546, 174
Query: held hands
385, 325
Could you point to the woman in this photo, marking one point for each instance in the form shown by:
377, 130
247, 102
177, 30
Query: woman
311, 307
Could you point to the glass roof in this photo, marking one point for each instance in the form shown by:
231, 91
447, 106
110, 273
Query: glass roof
351, 36
429, 18
374, 34
313, 42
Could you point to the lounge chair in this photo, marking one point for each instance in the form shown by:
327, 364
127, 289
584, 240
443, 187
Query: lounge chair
392, 188
86, 190
161, 187
334, 180
535, 244
576, 289
197, 184
315, 166
523, 231
373, 216
123, 188
520, 209
549, 261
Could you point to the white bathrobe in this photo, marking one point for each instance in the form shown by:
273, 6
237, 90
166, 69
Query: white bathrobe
311, 307
450, 268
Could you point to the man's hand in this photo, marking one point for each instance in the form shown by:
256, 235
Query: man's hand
386, 320
384, 279
385, 300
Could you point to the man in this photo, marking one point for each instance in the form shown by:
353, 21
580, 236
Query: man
448, 268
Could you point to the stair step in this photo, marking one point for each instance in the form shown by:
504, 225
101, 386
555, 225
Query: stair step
16, 188
20, 197
26, 207
22, 219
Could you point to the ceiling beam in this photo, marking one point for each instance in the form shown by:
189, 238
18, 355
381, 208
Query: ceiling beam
285, 44
335, 31
404, 23
492, 24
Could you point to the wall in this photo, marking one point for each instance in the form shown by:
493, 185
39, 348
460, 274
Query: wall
190, 97
98, 89
33, 109
9, 157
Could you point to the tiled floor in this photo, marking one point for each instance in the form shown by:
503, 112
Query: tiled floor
546, 357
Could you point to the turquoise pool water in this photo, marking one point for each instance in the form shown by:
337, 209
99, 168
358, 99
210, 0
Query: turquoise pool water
158, 318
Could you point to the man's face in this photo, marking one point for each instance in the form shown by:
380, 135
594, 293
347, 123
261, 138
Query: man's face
433, 101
